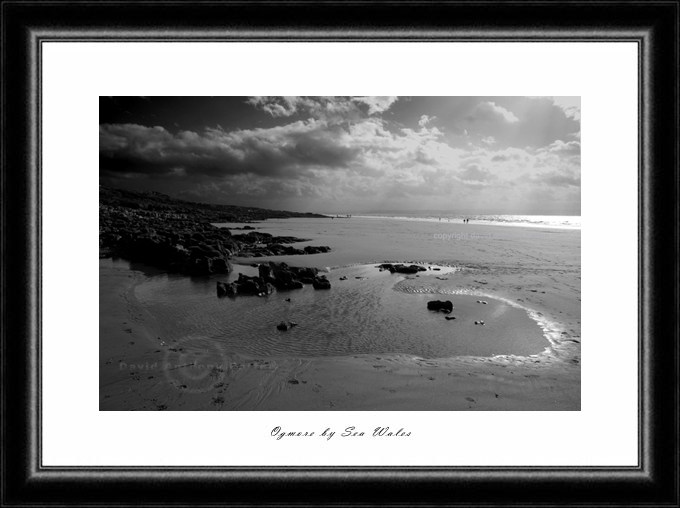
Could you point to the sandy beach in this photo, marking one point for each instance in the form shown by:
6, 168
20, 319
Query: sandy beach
536, 270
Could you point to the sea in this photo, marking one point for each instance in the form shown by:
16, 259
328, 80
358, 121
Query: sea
549, 221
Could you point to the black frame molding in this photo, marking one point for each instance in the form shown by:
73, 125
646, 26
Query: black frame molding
653, 25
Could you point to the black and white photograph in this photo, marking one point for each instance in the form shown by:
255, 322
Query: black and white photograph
340, 253
385, 291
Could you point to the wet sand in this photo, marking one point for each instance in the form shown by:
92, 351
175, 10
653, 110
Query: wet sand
139, 371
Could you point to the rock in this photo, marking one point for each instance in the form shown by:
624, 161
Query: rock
436, 305
286, 277
265, 271
222, 289
400, 268
304, 272
479, 322
322, 283
285, 325
245, 285
344, 277
220, 265
310, 249
406, 269
449, 318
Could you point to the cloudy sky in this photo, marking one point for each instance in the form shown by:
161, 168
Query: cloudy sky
493, 155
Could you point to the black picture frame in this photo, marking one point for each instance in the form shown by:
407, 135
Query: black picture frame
653, 25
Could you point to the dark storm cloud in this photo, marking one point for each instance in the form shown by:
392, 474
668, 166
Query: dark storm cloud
273, 152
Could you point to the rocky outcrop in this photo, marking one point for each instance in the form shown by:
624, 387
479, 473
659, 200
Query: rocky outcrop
275, 247
245, 285
436, 305
316, 250
272, 276
284, 277
400, 268
321, 283
179, 236
191, 248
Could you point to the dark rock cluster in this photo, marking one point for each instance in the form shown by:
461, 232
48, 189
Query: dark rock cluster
179, 236
273, 275
263, 244
177, 245
245, 286
399, 268
438, 306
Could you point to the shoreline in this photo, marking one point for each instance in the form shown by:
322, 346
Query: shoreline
546, 381
474, 222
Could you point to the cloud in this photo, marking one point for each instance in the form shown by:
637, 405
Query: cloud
475, 173
275, 106
279, 151
490, 111
424, 120
332, 109
333, 151
559, 180
377, 104
570, 105
571, 148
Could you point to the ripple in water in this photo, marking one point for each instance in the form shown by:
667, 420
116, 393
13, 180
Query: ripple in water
357, 316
